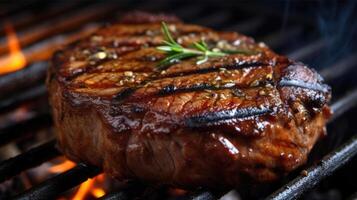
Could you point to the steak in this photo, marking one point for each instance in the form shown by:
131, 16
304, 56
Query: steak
236, 119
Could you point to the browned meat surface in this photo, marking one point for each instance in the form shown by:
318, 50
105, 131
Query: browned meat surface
231, 120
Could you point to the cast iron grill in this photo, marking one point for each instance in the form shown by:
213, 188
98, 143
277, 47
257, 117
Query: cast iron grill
59, 23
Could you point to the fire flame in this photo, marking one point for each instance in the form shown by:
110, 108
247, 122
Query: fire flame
88, 186
66, 165
16, 59
91, 186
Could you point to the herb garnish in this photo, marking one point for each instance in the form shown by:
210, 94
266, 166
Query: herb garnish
177, 52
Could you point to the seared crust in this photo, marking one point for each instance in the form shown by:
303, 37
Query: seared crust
230, 120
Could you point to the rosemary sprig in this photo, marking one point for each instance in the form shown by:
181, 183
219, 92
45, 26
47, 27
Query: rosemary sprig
176, 52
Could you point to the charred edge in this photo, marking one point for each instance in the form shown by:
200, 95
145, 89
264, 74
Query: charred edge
311, 86
216, 69
214, 117
123, 94
57, 59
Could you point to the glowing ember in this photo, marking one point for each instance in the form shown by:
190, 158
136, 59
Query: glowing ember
91, 186
98, 192
177, 192
15, 60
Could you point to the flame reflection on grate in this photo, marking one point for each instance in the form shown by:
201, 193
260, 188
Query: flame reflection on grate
15, 60
92, 186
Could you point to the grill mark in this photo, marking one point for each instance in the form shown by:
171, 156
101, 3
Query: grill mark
214, 117
233, 66
181, 33
311, 86
136, 48
157, 76
121, 96
172, 89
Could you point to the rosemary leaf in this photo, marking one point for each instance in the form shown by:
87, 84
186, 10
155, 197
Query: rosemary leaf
176, 52
173, 59
167, 34
202, 60
240, 51
200, 46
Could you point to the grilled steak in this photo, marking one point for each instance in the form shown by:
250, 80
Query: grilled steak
231, 120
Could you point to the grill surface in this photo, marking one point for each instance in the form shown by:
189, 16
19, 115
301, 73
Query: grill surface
285, 27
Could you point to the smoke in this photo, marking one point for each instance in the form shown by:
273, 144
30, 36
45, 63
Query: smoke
337, 23
286, 14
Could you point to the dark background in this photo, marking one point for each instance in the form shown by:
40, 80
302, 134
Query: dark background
321, 34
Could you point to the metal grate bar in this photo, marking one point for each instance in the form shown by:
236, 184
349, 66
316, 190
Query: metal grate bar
187, 13
340, 68
132, 190
27, 160
203, 196
52, 187
212, 20
33, 122
343, 105
23, 78
26, 19
279, 38
248, 26
16, 7
64, 24
122, 195
32, 93
309, 49
315, 174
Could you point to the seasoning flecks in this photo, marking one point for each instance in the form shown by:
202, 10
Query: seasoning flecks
254, 83
128, 73
237, 92
269, 76
222, 96
262, 92
100, 55
96, 38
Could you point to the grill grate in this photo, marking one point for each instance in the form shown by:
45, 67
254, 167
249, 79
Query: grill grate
39, 38
315, 174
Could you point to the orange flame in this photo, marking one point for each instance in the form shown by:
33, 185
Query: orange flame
89, 186
85, 188
16, 59
66, 165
